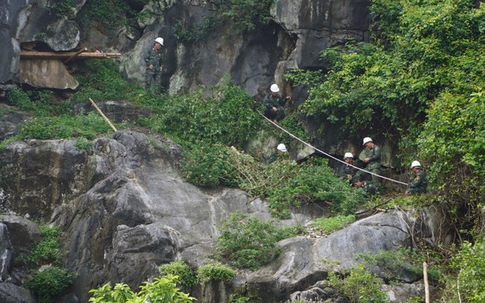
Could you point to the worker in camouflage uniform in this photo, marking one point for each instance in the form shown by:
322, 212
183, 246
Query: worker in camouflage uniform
420, 184
348, 170
274, 104
154, 68
371, 157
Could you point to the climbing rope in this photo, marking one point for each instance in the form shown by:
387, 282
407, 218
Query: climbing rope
328, 155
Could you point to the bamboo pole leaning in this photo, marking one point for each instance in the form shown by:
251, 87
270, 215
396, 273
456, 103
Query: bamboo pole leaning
102, 114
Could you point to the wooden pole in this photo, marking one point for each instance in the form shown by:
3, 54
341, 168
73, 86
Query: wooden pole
76, 54
66, 55
102, 115
426, 285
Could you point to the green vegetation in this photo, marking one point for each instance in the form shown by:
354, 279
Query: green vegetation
111, 13
160, 290
225, 117
49, 283
209, 166
47, 250
394, 262
359, 286
180, 269
66, 8
247, 242
331, 224
54, 121
469, 284
46, 284
215, 272
245, 15
419, 80
314, 181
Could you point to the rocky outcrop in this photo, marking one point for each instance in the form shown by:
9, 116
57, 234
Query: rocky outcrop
12, 18
126, 210
39, 73
10, 121
300, 30
11, 293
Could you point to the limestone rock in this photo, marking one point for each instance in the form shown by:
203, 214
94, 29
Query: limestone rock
46, 73
11, 293
6, 252
24, 233
9, 123
11, 21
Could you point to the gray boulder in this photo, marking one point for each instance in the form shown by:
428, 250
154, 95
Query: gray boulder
12, 20
6, 252
24, 233
11, 293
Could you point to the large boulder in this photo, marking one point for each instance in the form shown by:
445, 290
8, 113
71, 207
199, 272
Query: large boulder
305, 261
12, 20
46, 73
11, 293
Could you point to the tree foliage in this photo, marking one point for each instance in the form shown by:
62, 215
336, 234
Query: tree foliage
248, 242
161, 290
420, 78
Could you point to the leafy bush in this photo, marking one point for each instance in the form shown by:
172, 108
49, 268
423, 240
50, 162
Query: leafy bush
259, 178
47, 250
112, 13
49, 283
160, 290
65, 127
101, 80
247, 242
225, 117
315, 181
23, 101
469, 282
212, 272
328, 225
360, 286
208, 165
392, 262
180, 269
245, 15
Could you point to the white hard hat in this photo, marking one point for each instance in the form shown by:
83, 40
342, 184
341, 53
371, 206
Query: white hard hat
367, 140
415, 164
159, 40
274, 88
281, 147
348, 155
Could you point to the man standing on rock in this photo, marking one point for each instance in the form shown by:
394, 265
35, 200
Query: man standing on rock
154, 68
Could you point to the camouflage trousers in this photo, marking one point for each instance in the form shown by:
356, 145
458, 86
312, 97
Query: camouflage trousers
153, 82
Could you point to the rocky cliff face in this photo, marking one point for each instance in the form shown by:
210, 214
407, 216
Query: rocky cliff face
299, 31
122, 204
125, 210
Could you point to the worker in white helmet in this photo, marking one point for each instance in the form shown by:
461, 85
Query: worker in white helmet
280, 153
348, 170
154, 68
274, 104
371, 157
420, 183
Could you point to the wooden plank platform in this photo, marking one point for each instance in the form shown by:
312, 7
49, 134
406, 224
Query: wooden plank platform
66, 55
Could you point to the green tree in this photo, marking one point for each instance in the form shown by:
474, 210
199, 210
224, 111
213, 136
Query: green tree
161, 290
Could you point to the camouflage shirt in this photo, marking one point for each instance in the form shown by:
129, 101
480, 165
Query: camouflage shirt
419, 184
155, 58
374, 155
